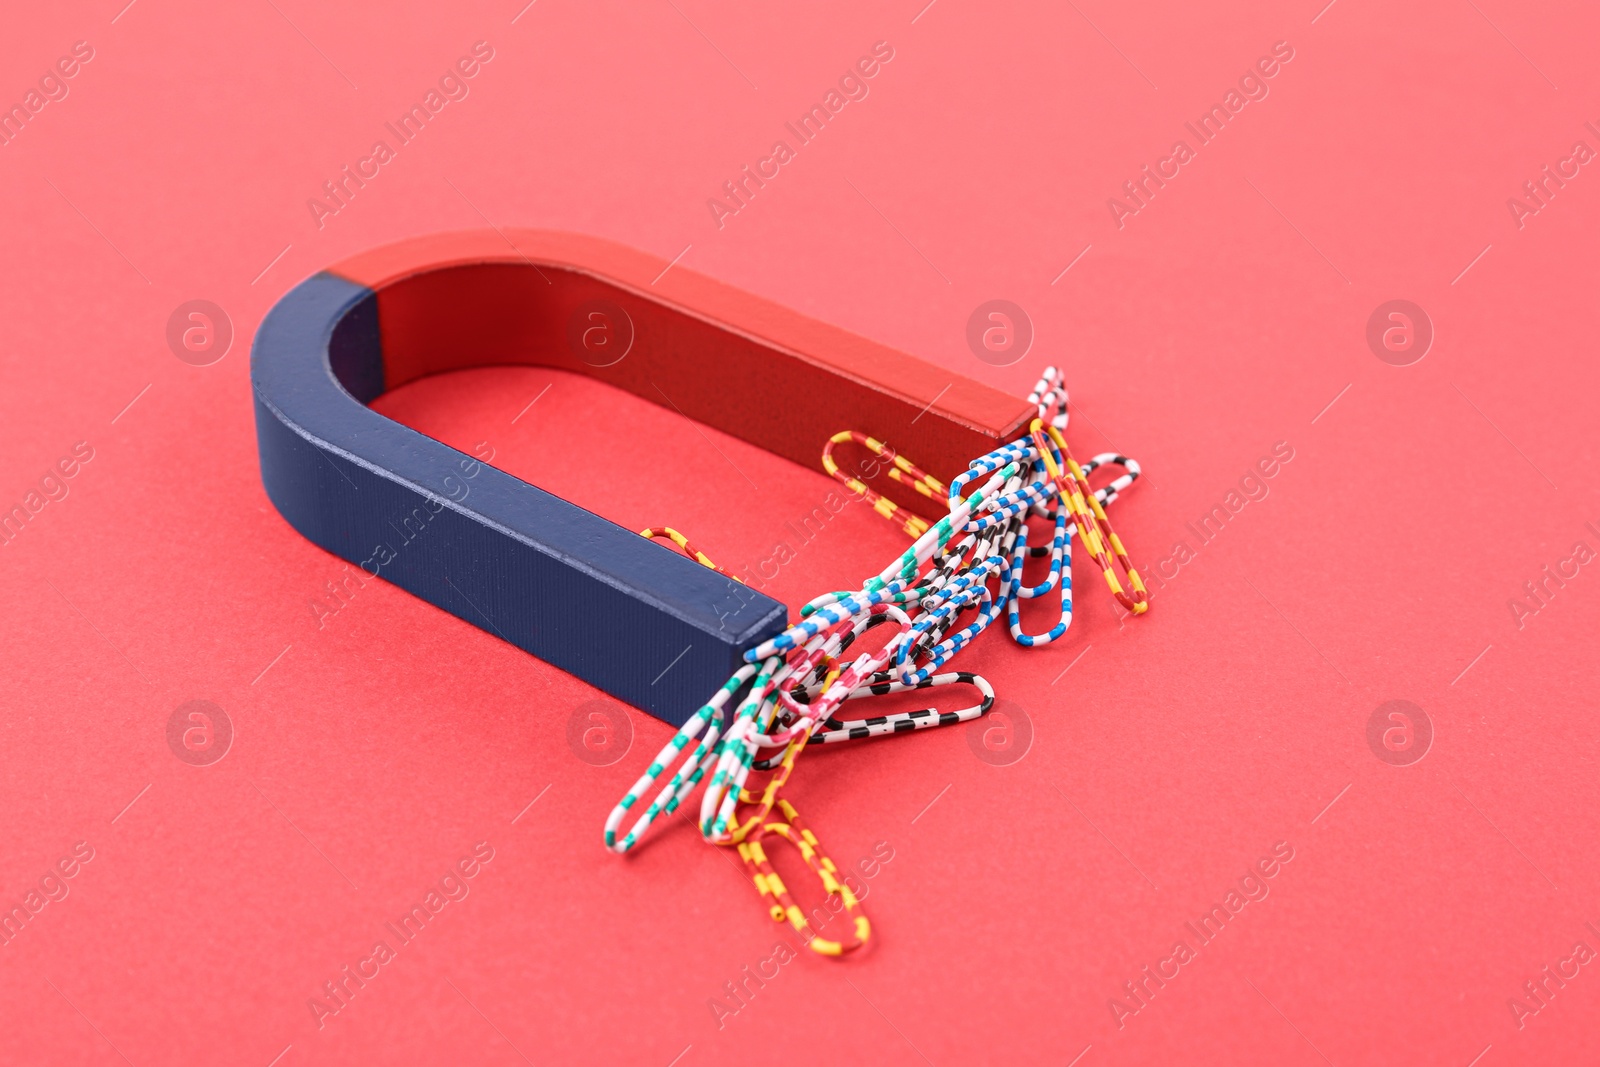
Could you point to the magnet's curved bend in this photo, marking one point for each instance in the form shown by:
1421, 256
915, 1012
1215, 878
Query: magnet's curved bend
551, 578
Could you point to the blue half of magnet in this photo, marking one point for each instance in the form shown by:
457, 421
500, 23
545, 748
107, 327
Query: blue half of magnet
629, 617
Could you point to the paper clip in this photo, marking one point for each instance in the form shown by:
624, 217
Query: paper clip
769, 792
654, 532
780, 905
689, 772
901, 470
834, 730
960, 574
1093, 526
1051, 394
1060, 552
883, 684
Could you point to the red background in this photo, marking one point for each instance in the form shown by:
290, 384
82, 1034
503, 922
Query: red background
1225, 316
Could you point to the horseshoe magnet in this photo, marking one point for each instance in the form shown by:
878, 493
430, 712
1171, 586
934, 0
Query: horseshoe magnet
523, 564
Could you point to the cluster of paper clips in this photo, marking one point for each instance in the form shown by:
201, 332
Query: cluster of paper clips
960, 574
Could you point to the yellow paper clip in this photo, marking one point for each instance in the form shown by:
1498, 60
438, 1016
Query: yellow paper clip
1093, 526
781, 905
